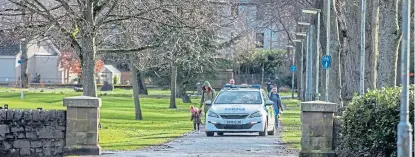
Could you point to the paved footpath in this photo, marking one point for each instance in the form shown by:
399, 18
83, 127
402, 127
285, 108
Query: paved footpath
197, 144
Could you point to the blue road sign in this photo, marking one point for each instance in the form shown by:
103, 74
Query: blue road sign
326, 62
19, 61
293, 68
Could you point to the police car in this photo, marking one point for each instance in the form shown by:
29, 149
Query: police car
239, 109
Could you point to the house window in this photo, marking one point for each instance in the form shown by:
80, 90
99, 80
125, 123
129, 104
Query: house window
259, 40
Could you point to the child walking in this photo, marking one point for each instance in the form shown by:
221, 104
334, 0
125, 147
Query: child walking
196, 117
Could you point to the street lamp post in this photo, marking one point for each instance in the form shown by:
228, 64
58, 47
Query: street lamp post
301, 91
292, 76
308, 75
404, 143
362, 47
316, 11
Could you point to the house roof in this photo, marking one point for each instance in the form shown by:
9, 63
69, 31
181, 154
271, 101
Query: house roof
12, 47
9, 48
112, 69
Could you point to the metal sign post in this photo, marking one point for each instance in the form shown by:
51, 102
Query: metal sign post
328, 17
293, 69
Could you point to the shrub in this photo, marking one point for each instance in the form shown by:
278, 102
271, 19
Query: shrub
370, 122
115, 79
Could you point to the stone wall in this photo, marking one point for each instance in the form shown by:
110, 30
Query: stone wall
337, 122
317, 129
32, 132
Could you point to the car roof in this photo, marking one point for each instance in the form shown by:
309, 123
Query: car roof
241, 89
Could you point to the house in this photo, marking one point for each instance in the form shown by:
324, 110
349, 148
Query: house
43, 59
109, 73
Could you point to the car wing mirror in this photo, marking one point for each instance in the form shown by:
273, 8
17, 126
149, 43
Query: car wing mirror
269, 103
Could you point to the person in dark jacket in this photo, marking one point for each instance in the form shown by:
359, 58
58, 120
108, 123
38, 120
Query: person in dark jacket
274, 96
269, 85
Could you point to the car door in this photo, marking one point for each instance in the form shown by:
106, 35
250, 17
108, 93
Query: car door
269, 109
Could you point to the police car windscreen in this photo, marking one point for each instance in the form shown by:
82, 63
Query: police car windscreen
239, 97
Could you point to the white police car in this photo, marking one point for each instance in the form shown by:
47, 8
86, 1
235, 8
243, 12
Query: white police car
238, 109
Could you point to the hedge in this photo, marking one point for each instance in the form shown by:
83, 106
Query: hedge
369, 124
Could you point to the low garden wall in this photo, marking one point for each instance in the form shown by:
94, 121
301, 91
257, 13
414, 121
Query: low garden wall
32, 132
40, 133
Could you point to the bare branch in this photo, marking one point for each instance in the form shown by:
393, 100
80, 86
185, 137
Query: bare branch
131, 50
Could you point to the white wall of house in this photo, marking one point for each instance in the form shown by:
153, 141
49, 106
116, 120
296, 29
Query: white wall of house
47, 67
7, 69
107, 75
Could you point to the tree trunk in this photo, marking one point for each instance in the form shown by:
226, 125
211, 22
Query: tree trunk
88, 67
88, 52
388, 43
372, 56
173, 85
349, 23
136, 90
141, 84
66, 76
80, 80
183, 95
23, 65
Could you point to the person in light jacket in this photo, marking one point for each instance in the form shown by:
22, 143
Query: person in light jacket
208, 93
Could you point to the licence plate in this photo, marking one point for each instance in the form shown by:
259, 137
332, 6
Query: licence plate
233, 122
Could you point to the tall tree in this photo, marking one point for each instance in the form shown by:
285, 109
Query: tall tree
80, 23
335, 84
373, 56
389, 40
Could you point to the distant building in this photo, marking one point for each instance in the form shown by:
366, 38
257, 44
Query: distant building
250, 22
43, 59
109, 73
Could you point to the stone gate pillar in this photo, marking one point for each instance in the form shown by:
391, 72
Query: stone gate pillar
317, 129
82, 119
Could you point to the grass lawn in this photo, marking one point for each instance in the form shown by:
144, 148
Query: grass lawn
119, 129
291, 120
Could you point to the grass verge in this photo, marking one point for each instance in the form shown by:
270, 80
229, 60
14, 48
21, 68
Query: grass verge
291, 120
119, 129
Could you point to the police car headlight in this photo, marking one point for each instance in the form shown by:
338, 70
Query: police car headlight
213, 114
256, 114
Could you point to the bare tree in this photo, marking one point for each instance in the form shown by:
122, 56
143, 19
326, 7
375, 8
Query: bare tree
80, 23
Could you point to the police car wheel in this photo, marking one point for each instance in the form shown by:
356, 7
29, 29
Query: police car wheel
210, 134
264, 133
272, 132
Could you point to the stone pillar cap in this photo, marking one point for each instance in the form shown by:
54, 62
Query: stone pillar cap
318, 106
82, 101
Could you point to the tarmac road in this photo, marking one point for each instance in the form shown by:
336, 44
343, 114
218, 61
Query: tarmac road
197, 144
